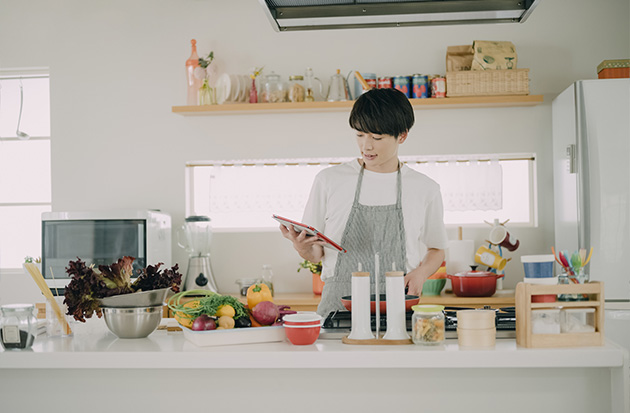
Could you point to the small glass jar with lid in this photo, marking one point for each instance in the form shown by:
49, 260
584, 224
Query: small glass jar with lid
18, 326
297, 91
274, 90
427, 324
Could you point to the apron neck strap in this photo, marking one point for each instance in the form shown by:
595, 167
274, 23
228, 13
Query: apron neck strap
357, 191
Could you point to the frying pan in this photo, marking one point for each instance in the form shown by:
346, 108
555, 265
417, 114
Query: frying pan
410, 300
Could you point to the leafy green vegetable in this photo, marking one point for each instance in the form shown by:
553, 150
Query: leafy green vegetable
151, 278
88, 284
311, 266
208, 305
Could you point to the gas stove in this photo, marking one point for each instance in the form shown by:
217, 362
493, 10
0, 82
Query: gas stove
338, 323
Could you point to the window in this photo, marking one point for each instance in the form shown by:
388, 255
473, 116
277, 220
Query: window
25, 182
242, 195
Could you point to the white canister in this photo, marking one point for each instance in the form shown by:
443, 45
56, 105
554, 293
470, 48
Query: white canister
361, 325
395, 296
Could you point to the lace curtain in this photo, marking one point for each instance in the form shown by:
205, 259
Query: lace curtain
466, 185
244, 194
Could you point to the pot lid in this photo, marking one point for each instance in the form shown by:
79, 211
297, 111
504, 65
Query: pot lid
475, 274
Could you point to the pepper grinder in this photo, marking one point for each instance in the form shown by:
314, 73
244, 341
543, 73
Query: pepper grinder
395, 296
361, 325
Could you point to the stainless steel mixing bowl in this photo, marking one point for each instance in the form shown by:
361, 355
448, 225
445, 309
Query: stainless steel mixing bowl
135, 322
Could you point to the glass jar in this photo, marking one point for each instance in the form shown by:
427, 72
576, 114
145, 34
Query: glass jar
273, 89
207, 95
267, 277
427, 324
297, 91
18, 326
580, 277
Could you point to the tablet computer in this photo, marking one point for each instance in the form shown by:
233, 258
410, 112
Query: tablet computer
310, 231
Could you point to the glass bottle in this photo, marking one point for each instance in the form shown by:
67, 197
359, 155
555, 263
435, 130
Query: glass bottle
253, 93
194, 83
309, 78
18, 326
427, 324
267, 277
296, 89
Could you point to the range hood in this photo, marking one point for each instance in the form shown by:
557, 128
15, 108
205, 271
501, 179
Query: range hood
290, 15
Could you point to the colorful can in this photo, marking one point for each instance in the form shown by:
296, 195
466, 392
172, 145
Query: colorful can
371, 82
403, 83
421, 87
438, 87
384, 82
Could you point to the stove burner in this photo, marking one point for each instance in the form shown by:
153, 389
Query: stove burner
342, 320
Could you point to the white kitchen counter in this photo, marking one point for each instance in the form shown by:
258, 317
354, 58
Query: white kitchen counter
165, 363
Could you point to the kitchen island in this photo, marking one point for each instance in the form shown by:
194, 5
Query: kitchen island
97, 372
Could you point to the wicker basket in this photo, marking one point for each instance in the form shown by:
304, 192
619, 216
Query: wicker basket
487, 82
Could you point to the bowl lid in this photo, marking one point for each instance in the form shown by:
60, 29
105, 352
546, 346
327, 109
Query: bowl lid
302, 317
538, 258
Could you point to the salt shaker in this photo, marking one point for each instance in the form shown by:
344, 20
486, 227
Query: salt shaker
361, 325
395, 295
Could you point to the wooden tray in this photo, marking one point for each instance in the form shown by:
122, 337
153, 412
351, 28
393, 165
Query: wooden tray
375, 341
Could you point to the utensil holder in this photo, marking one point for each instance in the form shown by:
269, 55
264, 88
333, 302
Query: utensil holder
361, 326
395, 296
524, 305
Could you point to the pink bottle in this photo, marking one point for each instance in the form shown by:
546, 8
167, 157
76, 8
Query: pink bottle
194, 83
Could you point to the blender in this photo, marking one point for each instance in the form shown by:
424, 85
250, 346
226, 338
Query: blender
198, 234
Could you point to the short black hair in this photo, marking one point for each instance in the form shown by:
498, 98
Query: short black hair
382, 112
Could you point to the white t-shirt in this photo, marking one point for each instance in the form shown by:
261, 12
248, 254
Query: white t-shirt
331, 198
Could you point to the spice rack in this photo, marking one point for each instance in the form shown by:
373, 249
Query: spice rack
524, 306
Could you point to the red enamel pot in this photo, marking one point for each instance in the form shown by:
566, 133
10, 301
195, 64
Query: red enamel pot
474, 283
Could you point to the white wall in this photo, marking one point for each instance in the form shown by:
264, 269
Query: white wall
117, 68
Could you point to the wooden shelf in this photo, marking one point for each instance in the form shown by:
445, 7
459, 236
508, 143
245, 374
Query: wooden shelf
291, 107
567, 304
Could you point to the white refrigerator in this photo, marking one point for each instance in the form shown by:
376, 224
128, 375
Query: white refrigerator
591, 165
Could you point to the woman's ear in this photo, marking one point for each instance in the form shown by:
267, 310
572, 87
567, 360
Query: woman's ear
402, 137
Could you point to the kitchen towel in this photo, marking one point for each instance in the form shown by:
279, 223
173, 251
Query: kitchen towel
460, 256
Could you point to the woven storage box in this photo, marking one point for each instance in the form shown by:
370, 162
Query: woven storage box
614, 69
487, 82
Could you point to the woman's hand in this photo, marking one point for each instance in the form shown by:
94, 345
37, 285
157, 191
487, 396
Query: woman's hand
309, 247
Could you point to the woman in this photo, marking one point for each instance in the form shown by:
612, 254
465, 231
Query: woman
374, 204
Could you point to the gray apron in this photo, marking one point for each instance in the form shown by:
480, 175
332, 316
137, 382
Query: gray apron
369, 230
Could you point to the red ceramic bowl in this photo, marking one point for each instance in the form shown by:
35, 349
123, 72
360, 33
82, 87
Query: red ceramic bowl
410, 300
474, 283
302, 335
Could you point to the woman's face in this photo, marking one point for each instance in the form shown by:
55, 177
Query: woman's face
379, 152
